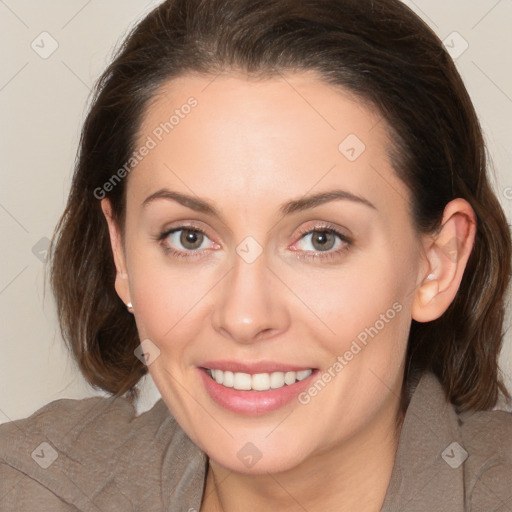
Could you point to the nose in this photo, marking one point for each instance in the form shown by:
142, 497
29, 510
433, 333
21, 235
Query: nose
252, 303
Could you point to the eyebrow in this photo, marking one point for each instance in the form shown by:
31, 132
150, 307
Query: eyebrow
293, 206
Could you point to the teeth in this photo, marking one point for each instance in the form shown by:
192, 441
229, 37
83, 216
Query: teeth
289, 377
218, 375
242, 381
229, 379
276, 380
258, 381
303, 374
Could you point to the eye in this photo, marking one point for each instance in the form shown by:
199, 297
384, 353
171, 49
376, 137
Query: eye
190, 242
184, 241
322, 239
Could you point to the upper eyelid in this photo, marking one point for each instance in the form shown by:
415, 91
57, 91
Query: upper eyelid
192, 227
324, 227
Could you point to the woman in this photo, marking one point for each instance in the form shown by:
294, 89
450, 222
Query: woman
280, 210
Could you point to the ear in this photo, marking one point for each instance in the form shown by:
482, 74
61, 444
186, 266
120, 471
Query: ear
121, 282
447, 254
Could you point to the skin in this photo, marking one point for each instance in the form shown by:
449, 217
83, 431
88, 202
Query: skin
248, 147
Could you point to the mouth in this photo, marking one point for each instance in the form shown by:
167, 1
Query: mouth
259, 381
254, 392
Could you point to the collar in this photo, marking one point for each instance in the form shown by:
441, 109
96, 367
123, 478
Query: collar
428, 473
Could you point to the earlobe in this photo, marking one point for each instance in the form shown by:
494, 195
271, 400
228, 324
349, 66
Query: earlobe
447, 253
121, 281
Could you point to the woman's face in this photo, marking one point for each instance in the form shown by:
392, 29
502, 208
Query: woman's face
266, 290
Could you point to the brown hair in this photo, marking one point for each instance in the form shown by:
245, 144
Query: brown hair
379, 50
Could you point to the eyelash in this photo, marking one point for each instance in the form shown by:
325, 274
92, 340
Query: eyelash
180, 254
327, 255
324, 228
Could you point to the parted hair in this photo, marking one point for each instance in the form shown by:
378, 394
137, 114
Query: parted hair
379, 50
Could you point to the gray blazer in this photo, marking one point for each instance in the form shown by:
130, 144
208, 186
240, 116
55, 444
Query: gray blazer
97, 455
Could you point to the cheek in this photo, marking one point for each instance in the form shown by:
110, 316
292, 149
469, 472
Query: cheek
365, 313
168, 298
366, 291
161, 303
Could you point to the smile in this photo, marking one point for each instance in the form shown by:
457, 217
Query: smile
258, 381
258, 392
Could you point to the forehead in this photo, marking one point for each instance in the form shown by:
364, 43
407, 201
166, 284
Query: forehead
232, 137
244, 111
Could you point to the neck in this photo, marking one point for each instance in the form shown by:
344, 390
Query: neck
351, 476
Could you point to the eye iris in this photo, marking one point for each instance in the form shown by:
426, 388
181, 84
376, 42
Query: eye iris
323, 237
189, 236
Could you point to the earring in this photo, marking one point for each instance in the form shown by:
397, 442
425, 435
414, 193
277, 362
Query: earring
129, 307
430, 277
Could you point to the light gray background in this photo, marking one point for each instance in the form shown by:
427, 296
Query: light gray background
43, 102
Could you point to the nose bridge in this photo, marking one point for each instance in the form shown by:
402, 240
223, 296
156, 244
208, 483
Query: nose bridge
250, 300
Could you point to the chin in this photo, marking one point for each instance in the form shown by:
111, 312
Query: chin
260, 464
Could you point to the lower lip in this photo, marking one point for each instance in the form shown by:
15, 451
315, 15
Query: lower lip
254, 403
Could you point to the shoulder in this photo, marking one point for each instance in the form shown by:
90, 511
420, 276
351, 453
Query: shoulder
451, 460
487, 438
69, 449
73, 418
488, 434
21, 492
72, 423
57, 413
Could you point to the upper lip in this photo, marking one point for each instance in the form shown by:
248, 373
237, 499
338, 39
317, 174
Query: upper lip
254, 367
